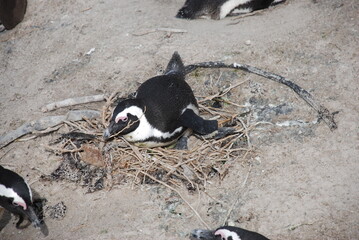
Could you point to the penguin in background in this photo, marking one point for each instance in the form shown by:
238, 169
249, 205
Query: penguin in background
16, 197
226, 233
219, 9
163, 110
12, 12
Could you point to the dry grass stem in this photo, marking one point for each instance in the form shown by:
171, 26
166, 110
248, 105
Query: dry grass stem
205, 161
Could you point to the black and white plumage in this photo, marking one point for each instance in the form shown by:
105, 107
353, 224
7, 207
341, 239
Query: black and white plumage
163, 109
12, 12
219, 9
226, 233
16, 197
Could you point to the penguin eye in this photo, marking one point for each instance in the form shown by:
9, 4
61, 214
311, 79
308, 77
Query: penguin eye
124, 119
15, 204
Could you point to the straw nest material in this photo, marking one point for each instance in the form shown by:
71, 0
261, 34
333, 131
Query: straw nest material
94, 164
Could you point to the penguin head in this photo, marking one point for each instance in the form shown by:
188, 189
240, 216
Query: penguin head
219, 234
16, 195
125, 118
226, 233
29, 212
203, 234
190, 9
193, 9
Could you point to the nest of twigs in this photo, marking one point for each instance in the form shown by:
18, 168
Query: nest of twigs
96, 164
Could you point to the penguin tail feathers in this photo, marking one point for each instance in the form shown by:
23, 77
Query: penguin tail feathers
175, 65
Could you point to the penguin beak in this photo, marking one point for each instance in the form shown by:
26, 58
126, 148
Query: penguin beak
202, 234
110, 130
106, 134
36, 222
30, 213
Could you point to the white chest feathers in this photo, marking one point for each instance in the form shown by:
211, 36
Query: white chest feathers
228, 6
9, 193
145, 131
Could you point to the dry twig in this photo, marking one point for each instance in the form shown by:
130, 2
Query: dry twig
45, 123
323, 112
179, 194
168, 30
73, 101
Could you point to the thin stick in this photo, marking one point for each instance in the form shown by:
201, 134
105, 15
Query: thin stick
323, 112
61, 150
237, 198
169, 30
172, 30
6, 152
72, 101
105, 108
179, 194
245, 15
222, 93
45, 123
246, 133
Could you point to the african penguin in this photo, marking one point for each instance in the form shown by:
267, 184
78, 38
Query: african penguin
16, 197
226, 233
12, 12
163, 109
219, 9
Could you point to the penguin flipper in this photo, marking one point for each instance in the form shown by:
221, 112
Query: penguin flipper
175, 65
199, 125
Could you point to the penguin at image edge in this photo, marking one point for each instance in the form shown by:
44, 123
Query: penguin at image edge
226, 233
219, 9
16, 197
12, 13
163, 109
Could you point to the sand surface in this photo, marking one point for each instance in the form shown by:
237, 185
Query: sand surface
300, 183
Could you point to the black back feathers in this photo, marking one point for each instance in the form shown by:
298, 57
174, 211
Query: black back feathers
218, 9
164, 107
10, 179
12, 12
16, 197
165, 97
242, 233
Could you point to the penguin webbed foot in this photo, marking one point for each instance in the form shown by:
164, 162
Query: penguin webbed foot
21, 220
219, 133
223, 132
182, 143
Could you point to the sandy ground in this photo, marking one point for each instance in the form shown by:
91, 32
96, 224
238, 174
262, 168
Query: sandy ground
301, 183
